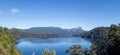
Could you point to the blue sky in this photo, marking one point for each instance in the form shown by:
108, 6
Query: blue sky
87, 14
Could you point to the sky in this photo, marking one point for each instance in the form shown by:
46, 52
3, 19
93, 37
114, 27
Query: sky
87, 14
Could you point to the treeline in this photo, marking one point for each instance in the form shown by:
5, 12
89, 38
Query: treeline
20, 34
7, 43
105, 40
96, 34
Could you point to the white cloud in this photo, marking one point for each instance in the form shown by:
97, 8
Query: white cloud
15, 10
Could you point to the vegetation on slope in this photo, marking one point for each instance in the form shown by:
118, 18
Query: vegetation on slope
111, 44
106, 40
97, 34
7, 43
21, 34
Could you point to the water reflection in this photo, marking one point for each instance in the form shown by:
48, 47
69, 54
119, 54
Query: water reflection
29, 45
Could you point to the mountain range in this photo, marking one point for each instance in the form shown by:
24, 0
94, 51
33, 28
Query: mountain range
60, 32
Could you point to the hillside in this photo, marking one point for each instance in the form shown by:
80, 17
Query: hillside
105, 40
46, 32
96, 34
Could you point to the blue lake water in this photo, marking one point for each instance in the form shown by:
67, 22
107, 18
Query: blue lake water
37, 45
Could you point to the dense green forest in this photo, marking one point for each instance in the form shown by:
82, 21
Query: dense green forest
7, 43
16, 33
97, 34
105, 40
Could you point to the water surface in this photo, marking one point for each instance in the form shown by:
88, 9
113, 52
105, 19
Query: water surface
37, 45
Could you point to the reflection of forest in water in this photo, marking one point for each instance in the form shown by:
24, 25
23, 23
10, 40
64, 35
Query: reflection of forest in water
60, 45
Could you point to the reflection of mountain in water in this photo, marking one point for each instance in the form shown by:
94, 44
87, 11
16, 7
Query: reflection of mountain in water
53, 40
29, 45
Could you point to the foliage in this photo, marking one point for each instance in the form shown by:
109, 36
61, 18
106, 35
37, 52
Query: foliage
7, 43
97, 34
48, 52
22, 34
75, 50
111, 44
105, 40
87, 52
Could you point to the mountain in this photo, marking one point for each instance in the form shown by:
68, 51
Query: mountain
56, 31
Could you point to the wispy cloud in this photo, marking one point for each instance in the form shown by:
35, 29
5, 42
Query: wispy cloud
15, 10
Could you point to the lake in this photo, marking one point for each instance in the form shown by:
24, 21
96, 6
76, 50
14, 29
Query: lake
37, 45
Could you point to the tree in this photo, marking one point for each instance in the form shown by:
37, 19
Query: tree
48, 52
106, 40
7, 43
75, 50
94, 49
111, 44
87, 52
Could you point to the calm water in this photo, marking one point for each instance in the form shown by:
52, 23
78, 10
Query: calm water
29, 45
